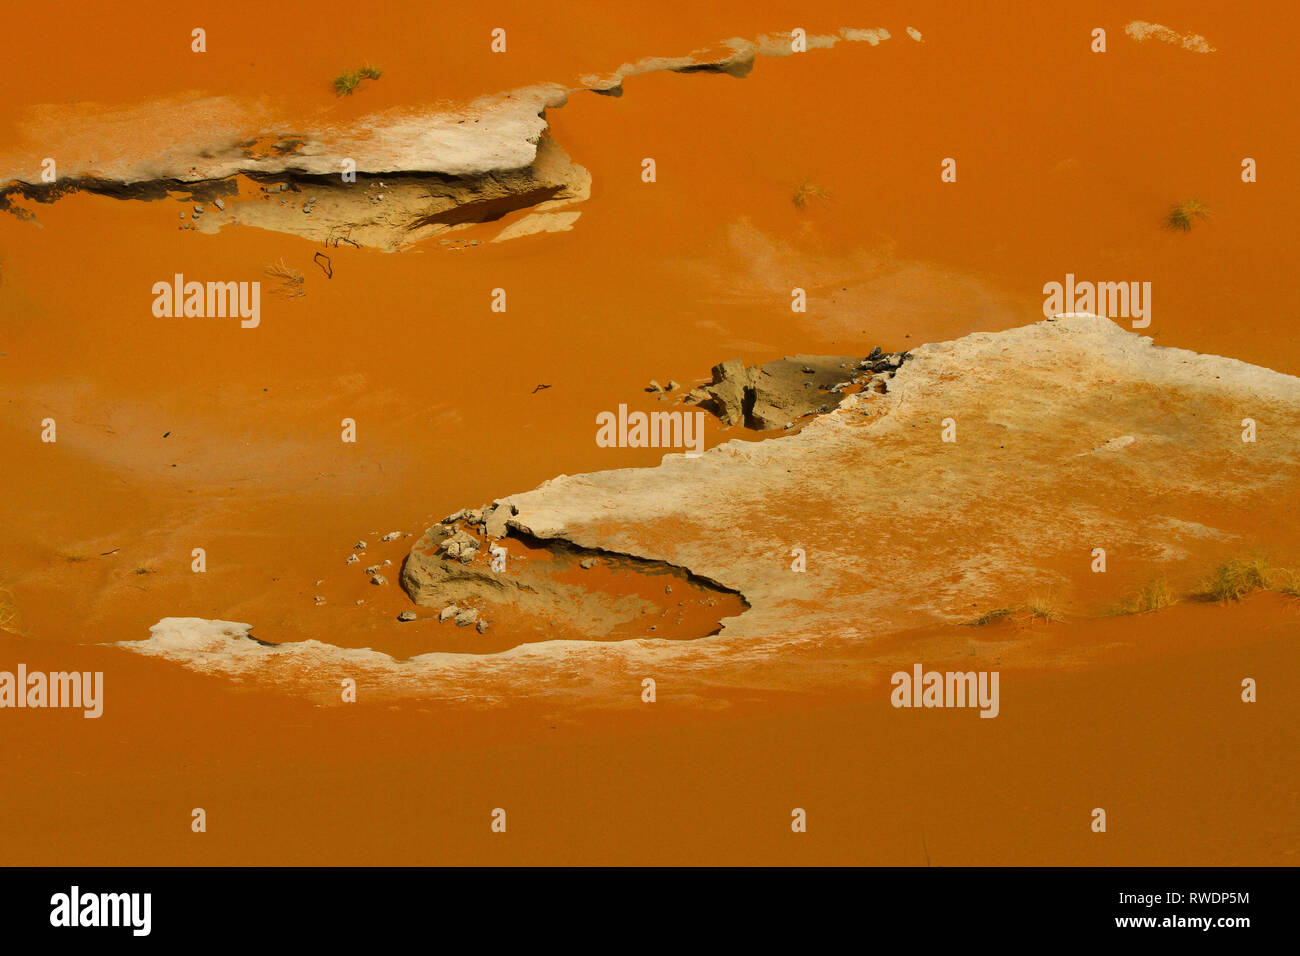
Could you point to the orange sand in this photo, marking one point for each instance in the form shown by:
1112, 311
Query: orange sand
1067, 160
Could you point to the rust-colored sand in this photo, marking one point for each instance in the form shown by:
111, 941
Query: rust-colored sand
1067, 161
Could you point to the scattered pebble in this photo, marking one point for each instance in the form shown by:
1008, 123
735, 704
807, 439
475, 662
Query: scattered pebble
219, 204
481, 626
449, 611
379, 579
391, 536
407, 616
353, 559
359, 546
373, 569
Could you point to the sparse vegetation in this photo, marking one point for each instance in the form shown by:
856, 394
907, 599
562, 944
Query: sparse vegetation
989, 617
1042, 609
808, 190
1287, 581
1152, 596
1034, 609
1235, 578
8, 613
1184, 215
144, 570
347, 81
291, 280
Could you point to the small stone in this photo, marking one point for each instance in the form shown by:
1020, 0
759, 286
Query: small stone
668, 589
361, 600
219, 204
461, 546
466, 617
359, 546
379, 579
182, 213
407, 616
319, 583
672, 386
587, 563
353, 559
654, 386
387, 562
198, 210
319, 599
391, 536
495, 522
481, 626
808, 371
373, 569
449, 611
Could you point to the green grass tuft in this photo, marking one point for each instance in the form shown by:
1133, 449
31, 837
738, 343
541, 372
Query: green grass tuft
1183, 215
347, 81
1234, 579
